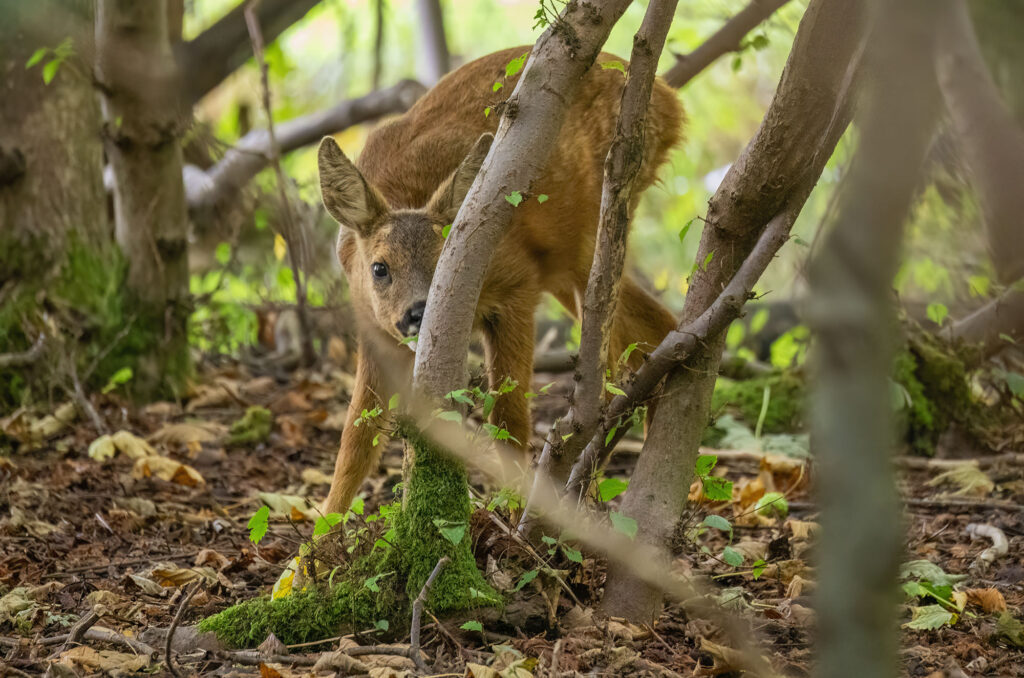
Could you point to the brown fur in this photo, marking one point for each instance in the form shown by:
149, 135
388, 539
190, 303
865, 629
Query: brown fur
411, 178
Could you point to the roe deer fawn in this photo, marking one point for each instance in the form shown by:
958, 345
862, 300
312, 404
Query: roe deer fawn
408, 185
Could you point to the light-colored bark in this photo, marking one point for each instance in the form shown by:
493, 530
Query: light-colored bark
852, 316
621, 168
139, 84
774, 174
434, 59
729, 38
531, 121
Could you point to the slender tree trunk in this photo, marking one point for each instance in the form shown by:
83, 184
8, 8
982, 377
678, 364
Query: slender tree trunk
852, 315
138, 79
434, 60
774, 174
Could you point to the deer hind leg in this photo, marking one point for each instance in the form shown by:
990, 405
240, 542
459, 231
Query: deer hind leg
508, 344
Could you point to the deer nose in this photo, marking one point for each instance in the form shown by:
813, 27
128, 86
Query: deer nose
410, 323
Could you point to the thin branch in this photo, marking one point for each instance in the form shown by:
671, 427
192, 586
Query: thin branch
168, 656
621, 169
24, 357
679, 345
221, 49
728, 38
77, 632
292, 232
417, 614
207, 188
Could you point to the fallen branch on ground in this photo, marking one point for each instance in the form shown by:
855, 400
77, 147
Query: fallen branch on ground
417, 615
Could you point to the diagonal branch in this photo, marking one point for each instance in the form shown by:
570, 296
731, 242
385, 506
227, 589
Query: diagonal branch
728, 38
207, 188
221, 49
621, 169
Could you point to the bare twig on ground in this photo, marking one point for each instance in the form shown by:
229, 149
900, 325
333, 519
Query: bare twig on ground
77, 631
293, 235
82, 400
417, 614
729, 38
100, 635
168, 656
26, 357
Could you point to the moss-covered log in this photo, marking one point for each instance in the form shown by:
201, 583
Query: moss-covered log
432, 522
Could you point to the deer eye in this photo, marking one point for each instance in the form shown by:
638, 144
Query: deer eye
380, 270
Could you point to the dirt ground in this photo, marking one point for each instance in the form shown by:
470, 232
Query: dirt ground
124, 533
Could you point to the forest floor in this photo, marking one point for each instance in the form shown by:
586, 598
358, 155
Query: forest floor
124, 533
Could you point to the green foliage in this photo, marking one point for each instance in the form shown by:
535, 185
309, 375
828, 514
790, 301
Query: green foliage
258, 524
55, 57
609, 488
746, 399
253, 427
514, 198
623, 523
715, 487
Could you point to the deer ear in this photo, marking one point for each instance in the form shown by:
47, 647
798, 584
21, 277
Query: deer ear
449, 196
348, 197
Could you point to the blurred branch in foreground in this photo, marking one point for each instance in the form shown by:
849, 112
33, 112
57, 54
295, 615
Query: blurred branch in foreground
729, 38
851, 313
221, 49
207, 188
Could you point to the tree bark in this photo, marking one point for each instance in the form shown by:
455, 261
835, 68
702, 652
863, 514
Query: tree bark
775, 173
222, 48
990, 139
138, 80
533, 117
852, 316
621, 168
434, 60
729, 38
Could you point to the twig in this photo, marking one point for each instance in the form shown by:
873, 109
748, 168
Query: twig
254, 658
77, 631
728, 38
98, 634
417, 614
174, 627
82, 400
292, 234
24, 357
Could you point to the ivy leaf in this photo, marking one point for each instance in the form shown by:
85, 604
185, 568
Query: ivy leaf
623, 523
472, 626
609, 488
732, 557
516, 65
614, 65
526, 579
514, 198
258, 524
453, 532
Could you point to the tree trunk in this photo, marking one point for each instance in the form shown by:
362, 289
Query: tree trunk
852, 315
434, 60
774, 174
138, 79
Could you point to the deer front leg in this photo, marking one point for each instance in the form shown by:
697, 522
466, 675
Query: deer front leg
508, 343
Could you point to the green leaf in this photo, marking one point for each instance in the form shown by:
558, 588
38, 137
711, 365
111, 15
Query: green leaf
459, 396
737, 63
772, 504
514, 198
382, 625
496, 86
719, 523
453, 532
608, 438
930, 617
1010, 629
628, 352
925, 570
623, 523
324, 524
686, 229
705, 463
358, 506
759, 320
613, 389
393, 402
757, 569
372, 584
409, 340
223, 253
572, 554
516, 65
445, 231
609, 488
614, 65
449, 415
507, 386
489, 401
937, 313
707, 260
122, 376
732, 557
472, 626
526, 579
258, 524
50, 70
717, 489
978, 285
542, 198
759, 42
36, 57
487, 111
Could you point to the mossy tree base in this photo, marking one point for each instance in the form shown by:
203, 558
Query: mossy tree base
436, 494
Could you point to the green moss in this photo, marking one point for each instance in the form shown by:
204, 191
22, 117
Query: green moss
746, 398
253, 427
437, 493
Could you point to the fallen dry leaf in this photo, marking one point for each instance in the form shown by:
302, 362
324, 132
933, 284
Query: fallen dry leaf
169, 470
989, 600
106, 661
189, 432
971, 481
